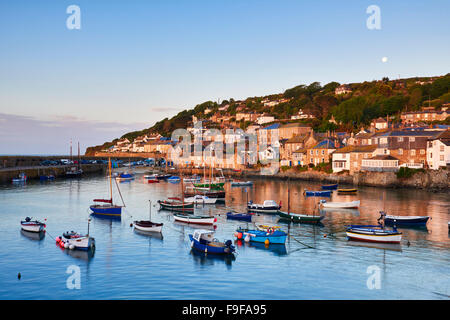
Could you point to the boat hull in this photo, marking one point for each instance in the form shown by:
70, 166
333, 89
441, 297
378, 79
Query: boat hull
148, 226
33, 227
300, 218
278, 237
239, 216
318, 193
341, 205
83, 243
406, 221
195, 219
330, 187
115, 211
347, 191
374, 238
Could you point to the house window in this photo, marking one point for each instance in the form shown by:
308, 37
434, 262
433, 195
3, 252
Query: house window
422, 151
412, 139
441, 148
441, 157
323, 160
323, 152
312, 152
400, 139
400, 151
413, 152
317, 152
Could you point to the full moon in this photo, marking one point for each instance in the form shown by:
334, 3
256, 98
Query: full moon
384, 59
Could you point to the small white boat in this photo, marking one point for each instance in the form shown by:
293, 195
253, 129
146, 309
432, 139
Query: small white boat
192, 179
373, 233
32, 225
73, 240
22, 178
194, 219
342, 205
241, 183
199, 199
148, 226
269, 206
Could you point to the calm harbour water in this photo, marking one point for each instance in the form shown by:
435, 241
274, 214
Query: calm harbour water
317, 262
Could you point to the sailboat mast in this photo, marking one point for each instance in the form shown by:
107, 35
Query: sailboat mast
289, 198
110, 178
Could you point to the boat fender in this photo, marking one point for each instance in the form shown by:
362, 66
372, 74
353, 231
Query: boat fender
71, 247
61, 244
192, 244
247, 238
58, 239
206, 250
66, 245
239, 236
266, 242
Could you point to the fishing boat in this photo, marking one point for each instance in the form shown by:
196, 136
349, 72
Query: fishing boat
373, 233
239, 216
404, 220
176, 204
22, 178
347, 191
323, 193
32, 225
198, 199
330, 187
125, 176
148, 225
204, 241
47, 177
163, 176
194, 219
151, 179
270, 236
220, 195
241, 183
340, 205
268, 206
73, 240
297, 217
76, 171
108, 208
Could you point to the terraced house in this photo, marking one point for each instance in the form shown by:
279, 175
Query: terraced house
438, 151
321, 152
350, 158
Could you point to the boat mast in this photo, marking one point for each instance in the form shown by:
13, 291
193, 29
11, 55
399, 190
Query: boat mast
110, 178
79, 165
150, 215
289, 198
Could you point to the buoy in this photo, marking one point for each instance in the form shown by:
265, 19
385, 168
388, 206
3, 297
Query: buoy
266, 242
19, 276
58, 239
239, 236
192, 244
247, 238
61, 244
66, 245
236, 234
131, 224
325, 235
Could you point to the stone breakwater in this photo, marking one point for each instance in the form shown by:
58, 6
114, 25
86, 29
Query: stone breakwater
430, 179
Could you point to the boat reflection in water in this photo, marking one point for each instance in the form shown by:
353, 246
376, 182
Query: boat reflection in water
384, 246
276, 248
105, 218
354, 212
84, 255
34, 236
209, 259
149, 234
195, 226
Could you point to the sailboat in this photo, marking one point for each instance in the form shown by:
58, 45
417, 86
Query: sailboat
297, 217
108, 209
148, 225
74, 172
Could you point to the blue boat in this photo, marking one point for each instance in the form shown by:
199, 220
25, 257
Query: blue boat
125, 176
204, 241
108, 209
317, 193
330, 187
174, 179
271, 235
239, 216
45, 178
409, 221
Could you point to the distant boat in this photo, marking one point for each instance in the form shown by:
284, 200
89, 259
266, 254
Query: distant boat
108, 209
176, 204
330, 187
125, 176
300, 218
341, 205
210, 194
74, 172
404, 220
32, 225
194, 219
48, 177
151, 179
239, 216
198, 199
309, 193
268, 206
204, 241
163, 176
192, 179
373, 233
241, 183
74, 240
347, 191
22, 178
272, 236
174, 179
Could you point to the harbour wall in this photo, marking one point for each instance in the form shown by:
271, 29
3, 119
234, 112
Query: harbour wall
435, 180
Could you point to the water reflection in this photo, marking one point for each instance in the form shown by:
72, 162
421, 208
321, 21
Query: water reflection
83, 255
148, 234
210, 259
34, 236
276, 249
383, 246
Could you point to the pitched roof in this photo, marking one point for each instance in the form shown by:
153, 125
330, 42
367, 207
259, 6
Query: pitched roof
294, 125
298, 138
325, 144
272, 126
383, 157
356, 149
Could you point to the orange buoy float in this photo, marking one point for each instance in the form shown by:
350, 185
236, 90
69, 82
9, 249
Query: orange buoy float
239, 236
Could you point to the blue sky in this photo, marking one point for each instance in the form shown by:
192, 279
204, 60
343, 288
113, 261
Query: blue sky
133, 63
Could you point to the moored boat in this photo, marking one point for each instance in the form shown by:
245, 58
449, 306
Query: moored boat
241, 183
403, 220
22, 178
322, 193
194, 219
198, 199
239, 216
300, 218
269, 236
32, 225
342, 205
330, 187
73, 240
268, 206
125, 176
373, 233
173, 179
148, 226
176, 204
347, 191
204, 241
